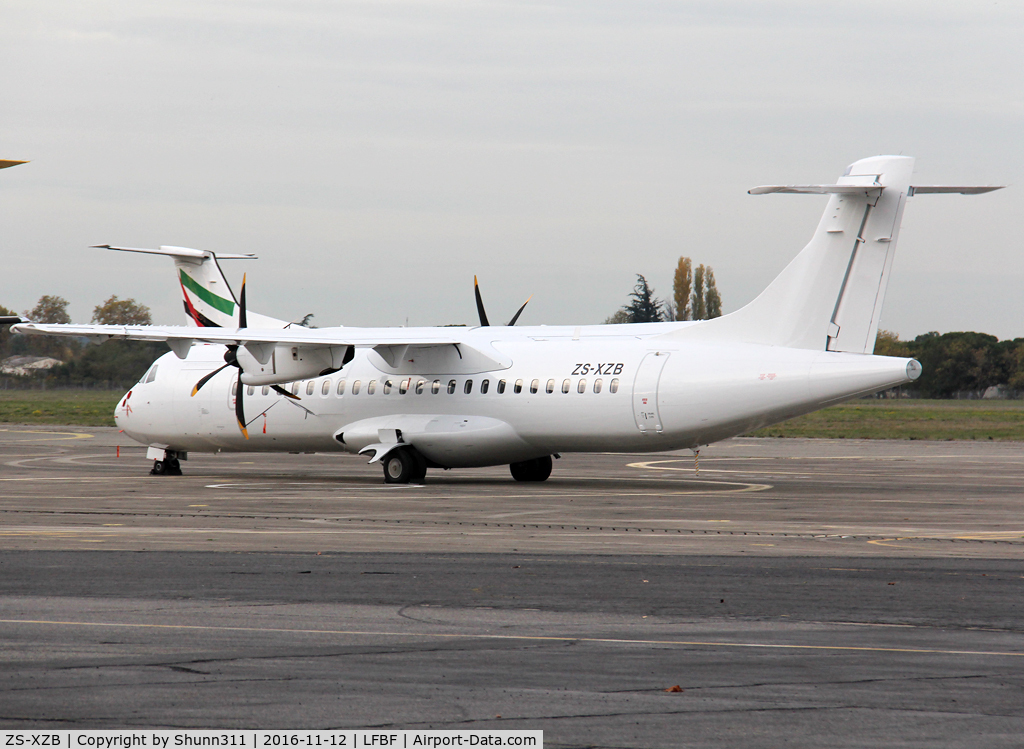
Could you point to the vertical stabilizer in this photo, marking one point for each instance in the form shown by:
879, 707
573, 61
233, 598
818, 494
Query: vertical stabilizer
207, 297
830, 296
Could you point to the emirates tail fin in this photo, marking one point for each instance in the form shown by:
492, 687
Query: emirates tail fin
208, 299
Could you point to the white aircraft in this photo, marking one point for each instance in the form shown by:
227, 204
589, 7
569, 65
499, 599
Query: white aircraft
419, 398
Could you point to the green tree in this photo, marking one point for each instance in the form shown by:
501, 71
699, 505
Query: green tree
712, 299
644, 307
682, 284
958, 362
698, 301
621, 316
113, 363
116, 311
5, 332
52, 310
888, 343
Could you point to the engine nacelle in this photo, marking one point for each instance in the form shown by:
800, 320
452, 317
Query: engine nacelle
273, 364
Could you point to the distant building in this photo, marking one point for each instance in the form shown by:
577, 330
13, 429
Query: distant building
23, 366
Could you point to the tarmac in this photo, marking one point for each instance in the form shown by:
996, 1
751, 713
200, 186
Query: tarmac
798, 592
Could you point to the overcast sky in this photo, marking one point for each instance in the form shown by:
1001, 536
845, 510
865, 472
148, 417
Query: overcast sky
376, 155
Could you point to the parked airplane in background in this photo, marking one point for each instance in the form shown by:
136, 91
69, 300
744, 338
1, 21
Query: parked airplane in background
419, 398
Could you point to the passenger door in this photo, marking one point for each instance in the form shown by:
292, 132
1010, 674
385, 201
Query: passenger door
645, 392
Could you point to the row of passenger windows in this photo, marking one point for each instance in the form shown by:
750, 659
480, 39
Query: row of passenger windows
435, 386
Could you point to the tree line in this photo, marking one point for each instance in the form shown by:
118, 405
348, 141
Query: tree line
959, 365
111, 364
695, 296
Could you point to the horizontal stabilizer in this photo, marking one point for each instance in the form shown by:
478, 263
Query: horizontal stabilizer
861, 189
955, 189
180, 252
4, 163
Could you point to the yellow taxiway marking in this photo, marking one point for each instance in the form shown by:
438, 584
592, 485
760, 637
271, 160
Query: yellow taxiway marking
60, 435
530, 638
996, 536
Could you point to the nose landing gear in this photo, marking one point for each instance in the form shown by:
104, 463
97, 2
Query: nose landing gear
165, 462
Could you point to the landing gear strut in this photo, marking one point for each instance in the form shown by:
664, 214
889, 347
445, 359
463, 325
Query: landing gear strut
537, 469
404, 465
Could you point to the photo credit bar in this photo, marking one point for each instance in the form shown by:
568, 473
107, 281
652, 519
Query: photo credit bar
247, 739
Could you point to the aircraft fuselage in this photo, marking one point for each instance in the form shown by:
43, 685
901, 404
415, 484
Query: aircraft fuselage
565, 389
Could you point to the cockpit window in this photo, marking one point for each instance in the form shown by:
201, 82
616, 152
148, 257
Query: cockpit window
150, 375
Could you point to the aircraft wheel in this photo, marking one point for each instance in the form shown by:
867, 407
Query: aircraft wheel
159, 468
173, 467
400, 466
419, 475
537, 469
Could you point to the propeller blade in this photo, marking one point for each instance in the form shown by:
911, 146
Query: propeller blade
243, 321
285, 393
240, 409
480, 304
517, 314
206, 379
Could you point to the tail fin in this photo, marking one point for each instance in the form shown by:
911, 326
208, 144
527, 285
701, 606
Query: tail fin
830, 296
209, 301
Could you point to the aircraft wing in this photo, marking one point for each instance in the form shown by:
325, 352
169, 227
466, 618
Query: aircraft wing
419, 349
241, 336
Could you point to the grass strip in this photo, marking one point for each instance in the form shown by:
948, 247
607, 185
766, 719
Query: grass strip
908, 420
91, 408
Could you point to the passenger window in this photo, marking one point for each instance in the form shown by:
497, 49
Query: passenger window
534, 386
355, 387
341, 387
419, 387
468, 387
403, 386
151, 374
582, 387
266, 390
566, 385
326, 388
451, 386
310, 387
518, 387
484, 386
371, 387
501, 387
435, 387
550, 386
251, 390
295, 388
597, 385
387, 387
613, 386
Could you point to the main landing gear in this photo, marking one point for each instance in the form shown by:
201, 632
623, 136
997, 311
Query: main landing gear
404, 465
537, 469
165, 462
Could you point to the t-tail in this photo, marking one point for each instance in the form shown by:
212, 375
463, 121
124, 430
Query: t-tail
830, 296
208, 299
